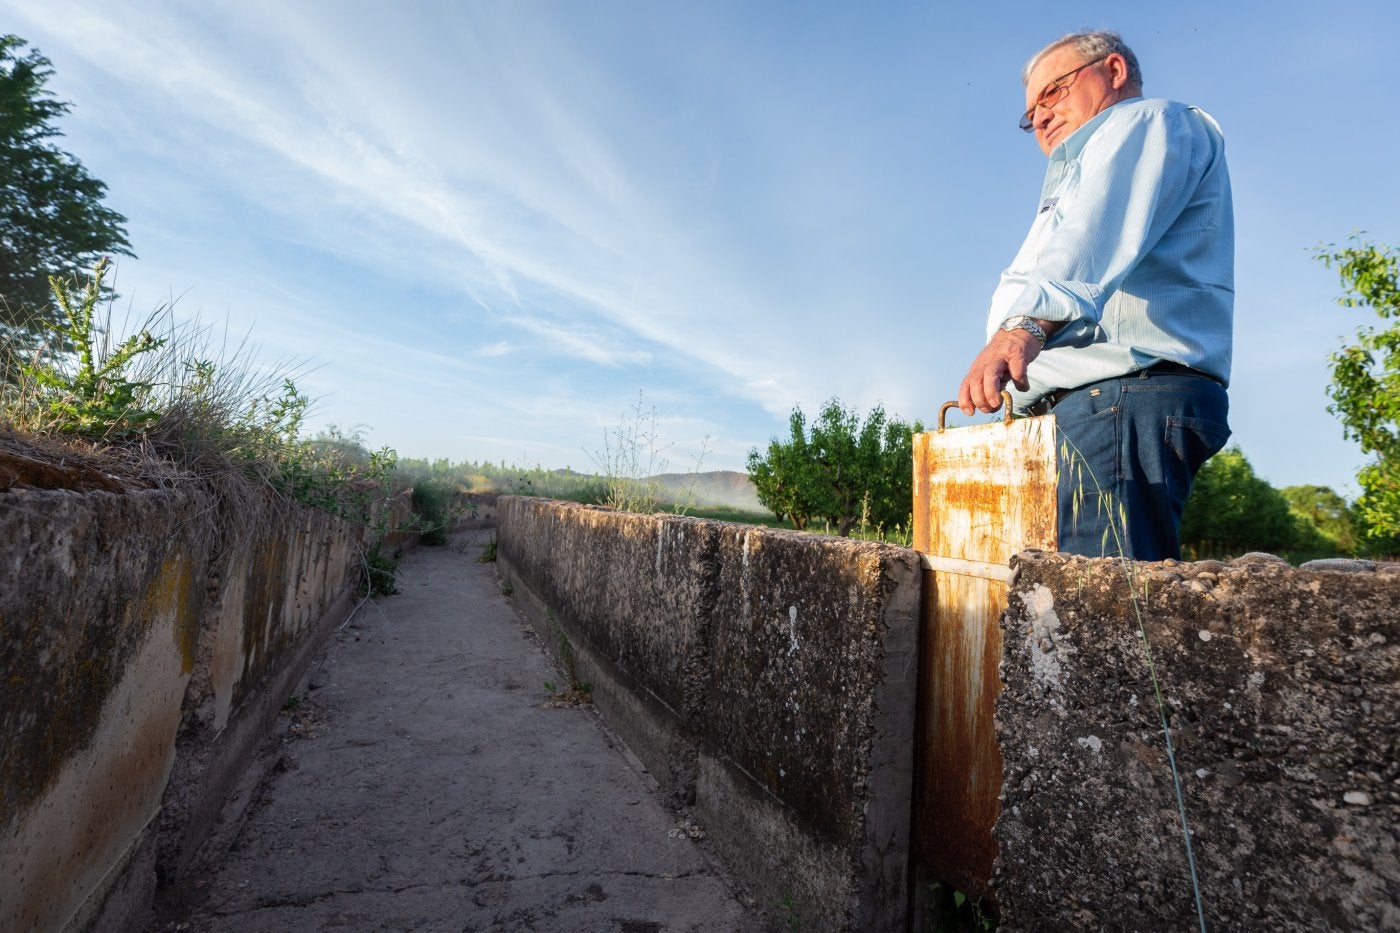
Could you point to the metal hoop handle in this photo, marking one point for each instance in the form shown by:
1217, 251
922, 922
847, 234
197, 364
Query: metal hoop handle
1005, 404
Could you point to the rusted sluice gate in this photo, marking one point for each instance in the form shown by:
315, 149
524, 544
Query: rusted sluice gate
981, 494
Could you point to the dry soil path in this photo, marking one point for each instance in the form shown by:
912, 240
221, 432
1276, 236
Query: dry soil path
423, 784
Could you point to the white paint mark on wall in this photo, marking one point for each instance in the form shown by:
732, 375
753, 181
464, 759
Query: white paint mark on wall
1044, 626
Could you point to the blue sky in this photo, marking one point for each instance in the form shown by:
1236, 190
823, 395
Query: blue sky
490, 225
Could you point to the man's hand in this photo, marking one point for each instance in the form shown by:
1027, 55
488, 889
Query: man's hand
1002, 360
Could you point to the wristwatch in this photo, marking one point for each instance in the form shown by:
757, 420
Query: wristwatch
1021, 322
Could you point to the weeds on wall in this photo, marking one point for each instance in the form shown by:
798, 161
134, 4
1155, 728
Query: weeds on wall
380, 576
155, 410
89, 393
952, 911
630, 460
630, 456
573, 692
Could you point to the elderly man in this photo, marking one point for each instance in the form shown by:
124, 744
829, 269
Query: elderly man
1116, 314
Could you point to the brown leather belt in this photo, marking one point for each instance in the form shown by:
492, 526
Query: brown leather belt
1046, 403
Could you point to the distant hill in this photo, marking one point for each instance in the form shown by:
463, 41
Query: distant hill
717, 489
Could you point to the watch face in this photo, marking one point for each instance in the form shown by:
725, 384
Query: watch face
1012, 323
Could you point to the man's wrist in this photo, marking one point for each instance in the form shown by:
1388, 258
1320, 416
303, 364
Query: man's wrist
1027, 324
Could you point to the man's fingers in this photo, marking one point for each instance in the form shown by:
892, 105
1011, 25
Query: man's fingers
992, 382
965, 404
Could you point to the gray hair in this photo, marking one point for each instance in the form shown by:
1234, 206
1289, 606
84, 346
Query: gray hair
1098, 43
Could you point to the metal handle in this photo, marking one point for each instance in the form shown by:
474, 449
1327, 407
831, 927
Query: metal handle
1005, 404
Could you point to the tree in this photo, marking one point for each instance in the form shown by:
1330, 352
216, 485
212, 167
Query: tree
844, 470
1232, 511
1326, 512
52, 220
785, 478
1365, 387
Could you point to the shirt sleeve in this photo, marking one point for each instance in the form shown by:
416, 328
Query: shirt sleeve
1135, 177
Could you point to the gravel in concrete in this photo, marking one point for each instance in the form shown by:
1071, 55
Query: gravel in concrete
424, 783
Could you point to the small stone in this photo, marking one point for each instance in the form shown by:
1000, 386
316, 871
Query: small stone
1204, 635
1340, 564
1357, 798
1257, 558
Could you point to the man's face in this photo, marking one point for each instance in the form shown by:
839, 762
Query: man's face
1090, 91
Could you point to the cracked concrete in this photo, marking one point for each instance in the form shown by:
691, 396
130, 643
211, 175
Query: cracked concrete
422, 784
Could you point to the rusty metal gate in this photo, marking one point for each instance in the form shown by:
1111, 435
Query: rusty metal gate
981, 494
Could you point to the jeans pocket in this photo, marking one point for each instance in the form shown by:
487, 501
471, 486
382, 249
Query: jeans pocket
1195, 440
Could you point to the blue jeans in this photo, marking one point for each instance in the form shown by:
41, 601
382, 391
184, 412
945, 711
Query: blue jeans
1129, 448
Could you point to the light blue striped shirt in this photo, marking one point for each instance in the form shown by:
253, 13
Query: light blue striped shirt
1134, 247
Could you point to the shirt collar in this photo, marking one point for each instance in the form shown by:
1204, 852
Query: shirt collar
1070, 147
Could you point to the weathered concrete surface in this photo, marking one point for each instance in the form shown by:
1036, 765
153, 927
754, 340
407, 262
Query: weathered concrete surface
138, 655
764, 677
425, 785
1283, 691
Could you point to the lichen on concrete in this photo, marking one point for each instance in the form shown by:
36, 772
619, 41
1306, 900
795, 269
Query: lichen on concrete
1282, 691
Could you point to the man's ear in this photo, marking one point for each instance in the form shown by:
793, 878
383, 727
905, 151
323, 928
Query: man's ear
1117, 70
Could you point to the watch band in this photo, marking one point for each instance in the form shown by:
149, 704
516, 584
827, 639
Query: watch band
1021, 322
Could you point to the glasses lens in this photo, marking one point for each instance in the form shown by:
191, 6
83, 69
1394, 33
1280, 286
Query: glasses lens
1049, 97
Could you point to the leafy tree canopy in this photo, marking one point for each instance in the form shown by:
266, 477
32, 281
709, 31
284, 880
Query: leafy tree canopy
843, 468
1365, 387
1327, 512
52, 220
1232, 511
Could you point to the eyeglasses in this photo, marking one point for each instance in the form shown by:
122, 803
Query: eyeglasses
1053, 94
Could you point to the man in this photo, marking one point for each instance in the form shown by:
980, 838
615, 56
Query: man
1117, 312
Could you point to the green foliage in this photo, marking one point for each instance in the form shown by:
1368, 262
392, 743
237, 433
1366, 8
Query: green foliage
437, 504
52, 220
844, 469
1232, 511
91, 394
1327, 527
163, 399
952, 911
1365, 387
787, 478
380, 573
334, 474
576, 692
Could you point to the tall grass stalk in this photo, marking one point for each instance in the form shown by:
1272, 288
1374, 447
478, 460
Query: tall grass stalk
1115, 531
629, 460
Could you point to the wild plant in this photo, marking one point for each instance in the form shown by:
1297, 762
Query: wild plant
88, 392
629, 461
152, 405
1114, 542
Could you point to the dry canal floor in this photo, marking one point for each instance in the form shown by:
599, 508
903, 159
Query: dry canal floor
421, 782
